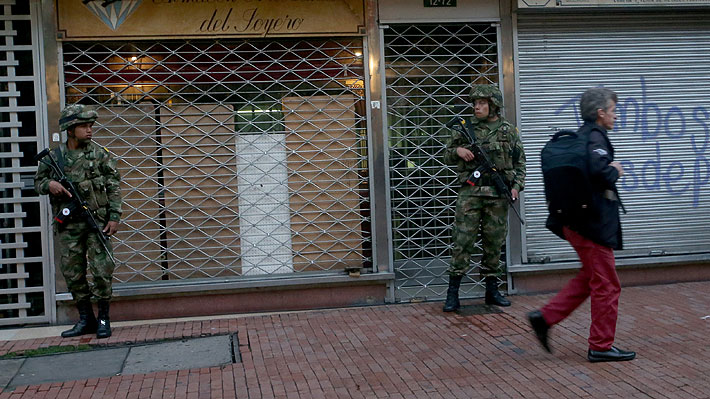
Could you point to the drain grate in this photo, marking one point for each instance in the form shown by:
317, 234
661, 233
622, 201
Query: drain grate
234, 348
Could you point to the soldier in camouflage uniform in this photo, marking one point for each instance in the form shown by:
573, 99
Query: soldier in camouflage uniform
92, 170
481, 207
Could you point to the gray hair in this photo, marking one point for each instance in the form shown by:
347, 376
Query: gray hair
594, 99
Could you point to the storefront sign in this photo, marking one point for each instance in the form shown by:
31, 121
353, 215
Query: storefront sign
144, 19
607, 3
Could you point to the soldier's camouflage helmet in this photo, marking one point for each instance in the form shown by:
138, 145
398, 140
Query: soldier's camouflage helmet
76, 114
491, 92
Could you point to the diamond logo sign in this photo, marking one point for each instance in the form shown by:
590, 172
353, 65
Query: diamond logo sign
114, 14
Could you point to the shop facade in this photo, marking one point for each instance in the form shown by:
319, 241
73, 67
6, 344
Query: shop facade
654, 55
241, 133
287, 154
431, 54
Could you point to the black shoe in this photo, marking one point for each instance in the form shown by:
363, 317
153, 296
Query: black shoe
452, 294
612, 355
540, 327
87, 323
493, 297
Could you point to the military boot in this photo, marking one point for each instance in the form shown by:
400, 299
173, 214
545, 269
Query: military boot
493, 297
104, 329
452, 294
87, 322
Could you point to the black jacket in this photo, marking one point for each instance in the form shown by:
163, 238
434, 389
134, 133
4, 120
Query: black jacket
603, 225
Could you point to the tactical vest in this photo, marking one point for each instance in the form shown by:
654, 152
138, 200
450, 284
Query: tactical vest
498, 144
83, 169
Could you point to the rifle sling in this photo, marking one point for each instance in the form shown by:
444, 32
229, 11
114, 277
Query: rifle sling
60, 157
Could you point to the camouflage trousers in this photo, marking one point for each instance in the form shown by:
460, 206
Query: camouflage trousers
474, 214
81, 252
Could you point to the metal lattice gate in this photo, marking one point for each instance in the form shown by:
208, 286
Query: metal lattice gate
429, 69
25, 280
240, 157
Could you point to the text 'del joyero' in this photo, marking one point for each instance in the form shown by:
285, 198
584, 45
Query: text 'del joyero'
249, 22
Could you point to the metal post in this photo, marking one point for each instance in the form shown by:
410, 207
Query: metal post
514, 247
379, 164
51, 78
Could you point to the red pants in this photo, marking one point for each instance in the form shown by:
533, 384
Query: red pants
597, 279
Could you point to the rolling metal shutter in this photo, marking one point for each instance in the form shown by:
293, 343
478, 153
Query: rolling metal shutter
658, 65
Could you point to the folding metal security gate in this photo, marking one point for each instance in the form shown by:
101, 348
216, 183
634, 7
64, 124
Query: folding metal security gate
25, 280
429, 70
238, 157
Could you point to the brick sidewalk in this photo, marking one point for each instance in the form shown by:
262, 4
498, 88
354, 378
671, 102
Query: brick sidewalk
416, 351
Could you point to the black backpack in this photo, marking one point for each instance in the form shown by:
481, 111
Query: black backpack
568, 190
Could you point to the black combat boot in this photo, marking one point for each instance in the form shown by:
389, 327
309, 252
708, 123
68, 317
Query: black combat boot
87, 322
104, 329
493, 297
452, 294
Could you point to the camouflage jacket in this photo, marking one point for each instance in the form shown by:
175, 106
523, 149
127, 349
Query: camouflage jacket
94, 174
504, 148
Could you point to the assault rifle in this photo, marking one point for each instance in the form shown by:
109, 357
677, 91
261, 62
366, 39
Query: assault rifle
486, 166
77, 204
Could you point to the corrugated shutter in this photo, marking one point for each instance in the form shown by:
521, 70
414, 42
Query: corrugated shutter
658, 65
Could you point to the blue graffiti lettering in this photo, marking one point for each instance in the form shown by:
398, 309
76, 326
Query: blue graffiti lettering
571, 103
630, 181
623, 111
670, 178
653, 177
701, 122
646, 106
667, 125
645, 117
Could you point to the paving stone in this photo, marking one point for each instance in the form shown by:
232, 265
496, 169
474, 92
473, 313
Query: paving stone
70, 366
179, 355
